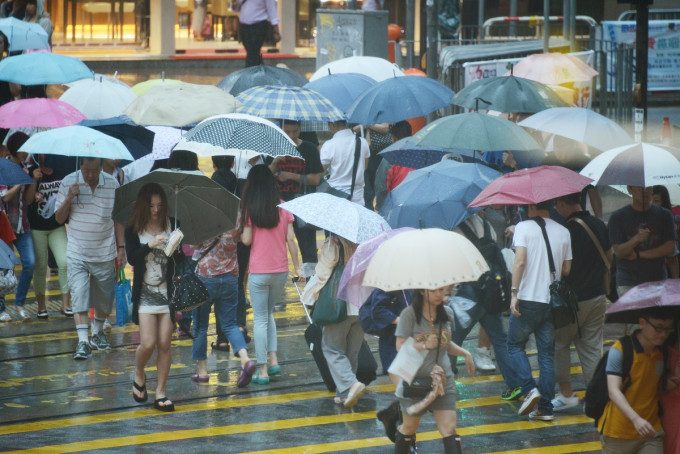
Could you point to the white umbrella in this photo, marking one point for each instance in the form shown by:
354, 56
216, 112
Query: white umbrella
579, 124
99, 99
98, 76
347, 219
424, 259
376, 68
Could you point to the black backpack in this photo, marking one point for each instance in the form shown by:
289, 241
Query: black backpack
597, 393
492, 289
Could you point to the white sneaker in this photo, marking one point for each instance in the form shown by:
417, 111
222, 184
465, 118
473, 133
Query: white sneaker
107, 325
483, 360
530, 401
561, 403
538, 415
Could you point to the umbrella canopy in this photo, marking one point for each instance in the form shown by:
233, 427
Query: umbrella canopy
640, 164
288, 103
203, 208
405, 153
579, 124
142, 87
98, 76
342, 89
351, 289
630, 306
475, 131
40, 68
180, 104
99, 99
38, 113
76, 141
424, 259
257, 76
164, 140
339, 216
508, 94
238, 135
437, 196
399, 98
23, 35
531, 186
137, 139
553, 69
376, 68
7, 256
12, 174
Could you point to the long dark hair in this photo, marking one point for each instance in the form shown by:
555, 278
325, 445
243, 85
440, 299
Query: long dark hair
141, 212
419, 301
183, 160
260, 198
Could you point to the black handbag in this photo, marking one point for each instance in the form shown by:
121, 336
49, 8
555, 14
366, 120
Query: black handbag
189, 292
421, 387
563, 300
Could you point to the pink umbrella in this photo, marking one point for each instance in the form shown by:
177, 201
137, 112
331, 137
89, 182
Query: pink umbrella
630, 306
39, 113
531, 186
350, 288
553, 68
163, 142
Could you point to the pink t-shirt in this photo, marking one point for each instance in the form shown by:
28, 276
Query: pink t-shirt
268, 252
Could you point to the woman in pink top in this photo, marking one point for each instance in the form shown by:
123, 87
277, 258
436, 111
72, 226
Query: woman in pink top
268, 230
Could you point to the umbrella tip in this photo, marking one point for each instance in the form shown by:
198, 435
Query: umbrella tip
329, 71
512, 67
163, 76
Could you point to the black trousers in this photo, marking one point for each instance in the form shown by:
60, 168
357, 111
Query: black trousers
252, 37
307, 241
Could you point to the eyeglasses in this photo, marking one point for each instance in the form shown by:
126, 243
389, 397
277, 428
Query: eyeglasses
661, 329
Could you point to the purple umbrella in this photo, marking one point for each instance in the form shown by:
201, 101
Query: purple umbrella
350, 288
630, 306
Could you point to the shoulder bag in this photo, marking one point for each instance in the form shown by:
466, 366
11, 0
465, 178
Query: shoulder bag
328, 189
328, 308
189, 292
598, 246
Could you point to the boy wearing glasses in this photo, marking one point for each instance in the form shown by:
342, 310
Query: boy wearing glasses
630, 422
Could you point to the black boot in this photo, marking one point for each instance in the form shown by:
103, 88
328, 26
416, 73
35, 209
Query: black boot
452, 445
403, 443
390, 417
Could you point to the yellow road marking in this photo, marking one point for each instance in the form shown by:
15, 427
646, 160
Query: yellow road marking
557, 449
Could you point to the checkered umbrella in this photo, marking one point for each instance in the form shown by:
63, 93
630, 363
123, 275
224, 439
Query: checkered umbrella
288, 103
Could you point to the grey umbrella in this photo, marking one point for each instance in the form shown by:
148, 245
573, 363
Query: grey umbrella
204, 208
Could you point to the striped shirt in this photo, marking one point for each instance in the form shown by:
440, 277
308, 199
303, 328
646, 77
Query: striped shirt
91, 235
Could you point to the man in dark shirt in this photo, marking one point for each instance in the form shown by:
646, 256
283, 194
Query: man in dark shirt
587, 276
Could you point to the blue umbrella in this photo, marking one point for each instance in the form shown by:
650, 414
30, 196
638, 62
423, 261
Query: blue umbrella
399, 98
12, 174
40, 68
437, 196
405, 153
288, 103
78, 141
7, 257
137, 139
23, 35
342, 89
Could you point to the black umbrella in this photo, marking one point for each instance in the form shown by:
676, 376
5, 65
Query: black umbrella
256, 76
137, 139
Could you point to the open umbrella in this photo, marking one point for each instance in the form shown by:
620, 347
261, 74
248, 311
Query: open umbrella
579, 124
23, 35
98, 76
203, 208
7, 257
437, 196
531, 186
142, 87
99, 99
553, 69
424, 259
288, 103
340, 216
640, 164
475, 131
405, 153
399, 98
508, 94
137, 139
257, 76
376, 68
12, 174
79, 141
342, 89
40, 68
630, 306
164, 140
180, 104
38, 113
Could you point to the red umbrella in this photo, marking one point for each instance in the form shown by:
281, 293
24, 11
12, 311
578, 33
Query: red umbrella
628, 308
531, 186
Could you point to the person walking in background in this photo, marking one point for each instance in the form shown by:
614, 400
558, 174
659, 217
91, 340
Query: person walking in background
145, 237
256, 17
85, 199
268, 230
35, 13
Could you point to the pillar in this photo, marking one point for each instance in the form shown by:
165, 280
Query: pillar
287, 15
162, 36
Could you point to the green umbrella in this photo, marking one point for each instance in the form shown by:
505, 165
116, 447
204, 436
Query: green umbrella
204, 208
475, 131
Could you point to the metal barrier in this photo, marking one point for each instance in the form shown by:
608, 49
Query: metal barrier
654, 14
531, 27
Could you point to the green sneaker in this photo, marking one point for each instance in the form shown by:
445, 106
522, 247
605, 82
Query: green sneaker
512, 393
83, 351
99, 341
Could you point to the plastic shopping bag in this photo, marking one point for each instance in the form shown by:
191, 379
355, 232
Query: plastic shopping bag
123, 299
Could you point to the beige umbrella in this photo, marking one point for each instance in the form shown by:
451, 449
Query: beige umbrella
180, 104
424, 259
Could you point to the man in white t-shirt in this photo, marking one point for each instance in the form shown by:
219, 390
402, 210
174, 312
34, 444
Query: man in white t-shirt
338, 155
530, 306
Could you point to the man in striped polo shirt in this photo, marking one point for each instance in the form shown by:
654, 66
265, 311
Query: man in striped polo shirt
85, 200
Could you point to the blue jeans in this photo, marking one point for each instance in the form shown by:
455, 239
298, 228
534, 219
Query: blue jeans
535, 319
223, 290
24, 244
265, 291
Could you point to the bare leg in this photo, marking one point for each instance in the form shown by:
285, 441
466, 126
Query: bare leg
243, 356
65, 301
164, 360
273, 359
565, 389
147, 344
446, 422
483, 339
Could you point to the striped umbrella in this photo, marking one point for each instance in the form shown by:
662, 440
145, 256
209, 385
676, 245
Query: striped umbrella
288, 103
